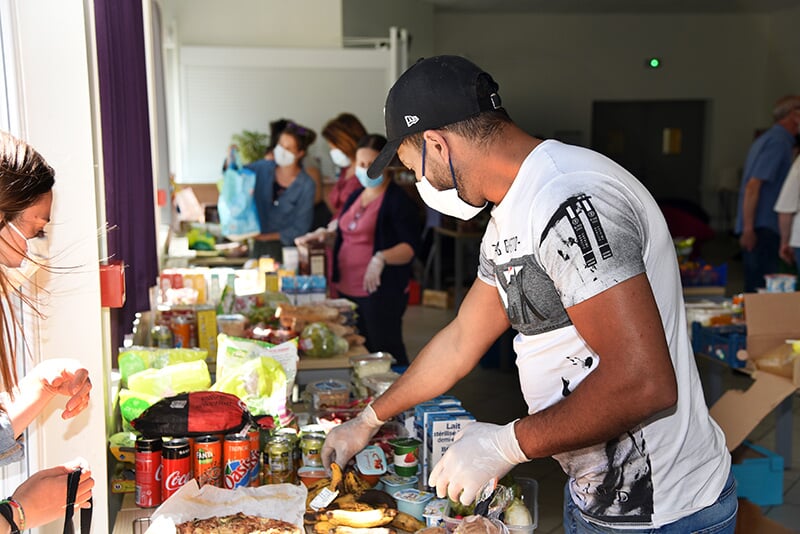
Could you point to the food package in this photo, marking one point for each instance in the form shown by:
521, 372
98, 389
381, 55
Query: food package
286, 502
317, 340
132, 404
233, 352
172, 379
134, 359
194, 414
260, 383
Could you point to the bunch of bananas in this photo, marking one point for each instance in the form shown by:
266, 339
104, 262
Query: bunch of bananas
347, 515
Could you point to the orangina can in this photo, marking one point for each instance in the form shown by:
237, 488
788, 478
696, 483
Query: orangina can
254, 438
236, 461
207, 461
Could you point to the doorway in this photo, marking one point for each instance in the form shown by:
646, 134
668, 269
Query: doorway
659, 142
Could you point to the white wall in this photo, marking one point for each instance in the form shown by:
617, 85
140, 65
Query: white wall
552, 67
373, 18
256, 23
58, 120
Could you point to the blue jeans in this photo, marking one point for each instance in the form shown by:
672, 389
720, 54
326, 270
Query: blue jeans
719, 518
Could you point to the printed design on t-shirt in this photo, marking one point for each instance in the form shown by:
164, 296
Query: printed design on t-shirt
532, 303
580, 213
625, 493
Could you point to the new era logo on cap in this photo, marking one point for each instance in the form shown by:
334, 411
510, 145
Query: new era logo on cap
411, 120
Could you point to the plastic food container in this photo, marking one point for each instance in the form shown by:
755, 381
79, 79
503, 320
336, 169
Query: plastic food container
435, 512
529, 490
377, 384
309, 475
232, 325
329, 392
371, 464
412, 501
392, 483
371, 364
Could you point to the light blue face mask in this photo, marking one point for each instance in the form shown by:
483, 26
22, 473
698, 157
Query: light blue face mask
366, 181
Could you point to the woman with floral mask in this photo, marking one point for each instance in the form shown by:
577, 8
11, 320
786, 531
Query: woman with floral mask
342, 134
284, 193
26, 183
373, 247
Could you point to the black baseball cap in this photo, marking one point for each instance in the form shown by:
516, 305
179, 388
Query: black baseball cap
433, 93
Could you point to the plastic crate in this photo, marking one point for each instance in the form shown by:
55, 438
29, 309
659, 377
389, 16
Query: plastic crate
705, 275
759, 474
720, 342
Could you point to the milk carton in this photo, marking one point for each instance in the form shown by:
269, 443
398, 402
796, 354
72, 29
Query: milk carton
422, 413
440, 431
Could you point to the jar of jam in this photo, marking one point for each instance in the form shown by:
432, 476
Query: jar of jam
311, 449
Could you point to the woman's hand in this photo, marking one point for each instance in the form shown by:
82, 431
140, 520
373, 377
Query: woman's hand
43, 497
63, 376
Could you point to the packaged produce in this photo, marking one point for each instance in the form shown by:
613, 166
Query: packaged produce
172, 379
134, 359
317, 340
132, 404
233, 352
259, 382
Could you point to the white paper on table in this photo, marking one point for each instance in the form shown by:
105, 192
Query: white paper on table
286, 502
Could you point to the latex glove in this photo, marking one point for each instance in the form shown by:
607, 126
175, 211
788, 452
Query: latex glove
372, 278
63, 376
345, 440
43, 496
481, 452
317, 235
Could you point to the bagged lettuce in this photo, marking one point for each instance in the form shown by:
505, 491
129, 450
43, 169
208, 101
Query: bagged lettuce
135, 359
172, 379
260, 383
233, 352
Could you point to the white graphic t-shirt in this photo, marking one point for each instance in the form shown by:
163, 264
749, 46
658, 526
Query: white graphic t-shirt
572, 225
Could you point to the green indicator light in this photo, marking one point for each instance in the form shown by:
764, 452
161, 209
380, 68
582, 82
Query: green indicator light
654, 63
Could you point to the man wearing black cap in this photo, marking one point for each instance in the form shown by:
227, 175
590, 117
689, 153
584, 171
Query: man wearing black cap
578, 259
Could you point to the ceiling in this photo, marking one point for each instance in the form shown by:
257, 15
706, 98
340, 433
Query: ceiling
613, 6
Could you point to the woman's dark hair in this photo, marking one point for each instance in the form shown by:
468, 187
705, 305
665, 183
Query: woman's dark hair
343, 132
275, 129
305, 137
373, 141
24, 177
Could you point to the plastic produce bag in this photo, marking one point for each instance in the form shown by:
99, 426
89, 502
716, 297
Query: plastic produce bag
238, 217
172, 379
135, 359
132, 404
194, 414
260, 383
319, 341
233, 352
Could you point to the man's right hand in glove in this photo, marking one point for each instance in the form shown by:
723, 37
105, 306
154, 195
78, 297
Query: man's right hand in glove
347, 439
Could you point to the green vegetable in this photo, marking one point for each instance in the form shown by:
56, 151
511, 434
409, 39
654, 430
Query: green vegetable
318, 341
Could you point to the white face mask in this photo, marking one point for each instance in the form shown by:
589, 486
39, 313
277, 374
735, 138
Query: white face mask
35, 254
366, 181
447, 201
283, 158
339, 158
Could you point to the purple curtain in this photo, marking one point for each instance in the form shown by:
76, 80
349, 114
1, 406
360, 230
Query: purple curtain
126, 154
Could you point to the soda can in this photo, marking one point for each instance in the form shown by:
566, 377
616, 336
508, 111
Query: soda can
176, 466
148, 472
254, 437
207, 461
181, 331
236, 461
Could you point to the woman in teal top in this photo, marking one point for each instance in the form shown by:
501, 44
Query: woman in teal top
284, 193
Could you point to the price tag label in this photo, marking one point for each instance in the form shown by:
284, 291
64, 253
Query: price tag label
323, 499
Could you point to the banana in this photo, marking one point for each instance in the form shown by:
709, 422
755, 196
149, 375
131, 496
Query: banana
336, 477
323, 527
354, 484
354, 530
348, 502
375, 517
407, 522
314, 490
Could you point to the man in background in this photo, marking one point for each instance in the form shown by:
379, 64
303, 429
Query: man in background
765, 170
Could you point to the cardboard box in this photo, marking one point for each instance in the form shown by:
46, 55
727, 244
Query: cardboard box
771, 319
434, 298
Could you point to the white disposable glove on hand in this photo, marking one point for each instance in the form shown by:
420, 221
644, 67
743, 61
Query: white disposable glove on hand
345, 440
316, 235
481, 452
372, 278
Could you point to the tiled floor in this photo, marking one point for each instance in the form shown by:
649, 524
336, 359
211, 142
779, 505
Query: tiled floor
493, 395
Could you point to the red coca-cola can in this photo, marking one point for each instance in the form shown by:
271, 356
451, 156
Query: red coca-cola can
176, 466
254, 437
236, 454
148, 472
207, 461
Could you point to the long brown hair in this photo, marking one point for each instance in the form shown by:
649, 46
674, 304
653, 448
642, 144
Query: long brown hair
344, 132
24, 177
